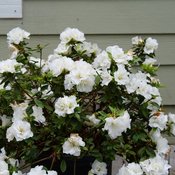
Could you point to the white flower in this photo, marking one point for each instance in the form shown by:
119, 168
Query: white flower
19, 110
158, 120
136, 40
91, 48
45, 68
155, 166
144, 89
37, 61
99, 168
3, 154
121, 75
102, 61
115, 126
86, 85
4, 168
152, 106
105, 76
65, 105
73, 144
123, 171
47, 92
130, 169
71, 34
83, 76
93, 119
118, 54
87, 48
68, 84
16, 35
150, 61
51, 173
5, 120
155, 91
38, 114
13, 162
38, 170
151, 45
155, 134
134, 169
57, 64
20, 130
90, 172
18, 173
173, 129
162, 143
23, 70
171, 118
136, 80
8, 65
62, 48
157, 100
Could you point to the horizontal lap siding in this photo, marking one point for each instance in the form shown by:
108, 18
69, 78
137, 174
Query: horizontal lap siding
96, 16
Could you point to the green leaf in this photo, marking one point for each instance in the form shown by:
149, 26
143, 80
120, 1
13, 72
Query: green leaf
48, 107
63, 166
46, 149
150, 151
78, 117
97, 80
139, 136
135, 137
141, 152
150, 68
39, 103
110, 55
113, 110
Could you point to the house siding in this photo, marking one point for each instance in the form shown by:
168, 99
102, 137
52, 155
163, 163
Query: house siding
106, 22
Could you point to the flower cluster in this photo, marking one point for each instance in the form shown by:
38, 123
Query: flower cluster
82, 101
154, 166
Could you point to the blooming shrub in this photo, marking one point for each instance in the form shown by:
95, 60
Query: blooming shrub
82, 101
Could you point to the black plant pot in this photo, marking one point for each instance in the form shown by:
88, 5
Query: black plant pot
75, 166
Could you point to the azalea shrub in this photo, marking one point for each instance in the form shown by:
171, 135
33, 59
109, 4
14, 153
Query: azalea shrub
82, 101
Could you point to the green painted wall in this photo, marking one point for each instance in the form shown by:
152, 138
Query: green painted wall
106, 22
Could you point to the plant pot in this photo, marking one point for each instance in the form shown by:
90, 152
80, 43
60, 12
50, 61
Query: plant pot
74, 166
